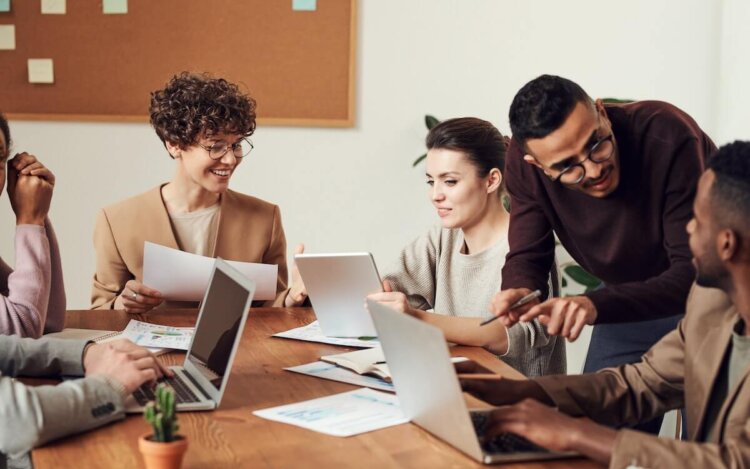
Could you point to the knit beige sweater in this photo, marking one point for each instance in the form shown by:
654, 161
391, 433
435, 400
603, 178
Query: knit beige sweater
435, 274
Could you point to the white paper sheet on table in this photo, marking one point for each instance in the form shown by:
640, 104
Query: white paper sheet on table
183, 276
346, 414
155, 335
312, 333
330, 371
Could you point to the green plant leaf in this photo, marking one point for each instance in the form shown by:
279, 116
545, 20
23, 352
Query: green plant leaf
418, 160
564, 282
582, 277
430, 121
616, 100
506, 203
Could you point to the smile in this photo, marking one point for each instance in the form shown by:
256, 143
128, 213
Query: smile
221, 172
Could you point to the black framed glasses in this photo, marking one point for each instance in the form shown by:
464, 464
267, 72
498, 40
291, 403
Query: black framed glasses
240, 149
600, 152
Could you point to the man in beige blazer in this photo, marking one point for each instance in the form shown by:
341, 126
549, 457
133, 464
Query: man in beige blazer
701, 366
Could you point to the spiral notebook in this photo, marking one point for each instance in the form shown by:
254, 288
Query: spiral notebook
97, 336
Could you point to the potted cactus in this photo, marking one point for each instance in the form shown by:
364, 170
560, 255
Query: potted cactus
164, 448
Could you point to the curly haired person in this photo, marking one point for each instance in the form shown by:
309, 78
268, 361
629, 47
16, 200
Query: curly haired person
205, 124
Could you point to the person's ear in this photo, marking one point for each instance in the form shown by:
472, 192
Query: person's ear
533, 161
174, 150
727, 245
494, 180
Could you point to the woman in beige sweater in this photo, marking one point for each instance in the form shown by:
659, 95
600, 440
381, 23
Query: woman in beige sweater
455, 269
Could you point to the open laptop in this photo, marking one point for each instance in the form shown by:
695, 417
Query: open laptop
430, 394
200, 382
337, 285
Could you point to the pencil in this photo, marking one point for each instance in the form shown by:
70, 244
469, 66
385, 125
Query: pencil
526, 299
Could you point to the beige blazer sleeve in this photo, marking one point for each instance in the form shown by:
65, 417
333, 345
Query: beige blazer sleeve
111, 273
276, 254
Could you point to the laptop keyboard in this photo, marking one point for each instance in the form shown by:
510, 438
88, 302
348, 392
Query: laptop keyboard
502, 443
182, 393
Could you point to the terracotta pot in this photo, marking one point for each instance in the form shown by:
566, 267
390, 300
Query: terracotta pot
159, 455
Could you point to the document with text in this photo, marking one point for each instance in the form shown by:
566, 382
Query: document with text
346, 414
312, 333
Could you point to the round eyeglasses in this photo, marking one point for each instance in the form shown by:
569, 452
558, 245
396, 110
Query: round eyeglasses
240, 149
600, 152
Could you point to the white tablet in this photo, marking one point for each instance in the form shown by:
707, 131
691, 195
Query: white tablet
338, 285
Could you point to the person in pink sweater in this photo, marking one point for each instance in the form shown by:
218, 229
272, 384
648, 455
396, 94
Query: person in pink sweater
32, 296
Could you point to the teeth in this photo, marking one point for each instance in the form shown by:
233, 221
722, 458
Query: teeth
218, 172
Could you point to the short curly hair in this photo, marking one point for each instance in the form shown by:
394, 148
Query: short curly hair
730, 193
192, 106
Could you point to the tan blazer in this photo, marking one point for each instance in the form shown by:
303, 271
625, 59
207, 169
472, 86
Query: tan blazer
680, 370
249, 230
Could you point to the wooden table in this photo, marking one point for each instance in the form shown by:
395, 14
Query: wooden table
233, 437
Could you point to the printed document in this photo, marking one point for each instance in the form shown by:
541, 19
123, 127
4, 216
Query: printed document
346, 414
312, 333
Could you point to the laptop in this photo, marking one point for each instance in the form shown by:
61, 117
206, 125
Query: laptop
337, 285
430, 394
200, 382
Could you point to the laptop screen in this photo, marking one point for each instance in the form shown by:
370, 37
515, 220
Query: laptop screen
217, 328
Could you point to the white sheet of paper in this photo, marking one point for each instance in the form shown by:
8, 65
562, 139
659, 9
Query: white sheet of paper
155, 335
183, 276
330, 371
312, 333
41, 71
346, 414
7, 37
54, 7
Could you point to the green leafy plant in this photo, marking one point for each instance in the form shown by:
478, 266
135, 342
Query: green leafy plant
162, 416
430, 122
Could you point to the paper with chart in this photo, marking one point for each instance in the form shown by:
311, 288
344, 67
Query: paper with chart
346, 414
333, 372
312, 333
183, 276
155, 335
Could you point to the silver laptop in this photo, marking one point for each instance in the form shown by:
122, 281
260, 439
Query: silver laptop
430, 394
338, 285
200, 382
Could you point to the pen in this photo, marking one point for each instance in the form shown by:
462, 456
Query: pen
526, 299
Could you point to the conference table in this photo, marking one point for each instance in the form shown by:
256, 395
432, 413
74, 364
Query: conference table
232, 436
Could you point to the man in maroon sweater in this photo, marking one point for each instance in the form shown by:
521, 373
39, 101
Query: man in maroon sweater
616, 184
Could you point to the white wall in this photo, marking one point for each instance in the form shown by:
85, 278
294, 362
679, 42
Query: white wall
354, 189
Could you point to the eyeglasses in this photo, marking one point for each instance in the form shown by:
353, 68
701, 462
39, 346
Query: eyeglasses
600, 152
240, 149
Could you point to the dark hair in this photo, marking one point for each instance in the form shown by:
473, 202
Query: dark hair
542, 105
194, 105
6, 131
730, 193
478, 139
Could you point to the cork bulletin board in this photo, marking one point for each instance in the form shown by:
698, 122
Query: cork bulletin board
298, 65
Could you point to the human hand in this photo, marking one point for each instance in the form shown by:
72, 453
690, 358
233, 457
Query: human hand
502, 302
30, 186
124, 362
394, 300
540, 424
495, 389
563, 316
137, 298
297, 292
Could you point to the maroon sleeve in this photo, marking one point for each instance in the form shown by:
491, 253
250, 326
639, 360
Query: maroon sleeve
665, 294
532, 244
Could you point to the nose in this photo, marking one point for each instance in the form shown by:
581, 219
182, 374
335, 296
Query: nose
229, 158
593, 170
437, 192
690, 227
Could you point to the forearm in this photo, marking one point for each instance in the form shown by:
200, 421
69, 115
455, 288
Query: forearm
467, 331
594, 441
57, 302
34, 415
41, 357
24, 310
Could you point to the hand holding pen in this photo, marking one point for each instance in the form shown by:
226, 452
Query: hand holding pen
508, 304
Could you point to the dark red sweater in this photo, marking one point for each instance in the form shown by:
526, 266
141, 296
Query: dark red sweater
634, 239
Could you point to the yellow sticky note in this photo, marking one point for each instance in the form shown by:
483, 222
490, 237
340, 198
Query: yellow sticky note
54, 7
41, 71
7, 37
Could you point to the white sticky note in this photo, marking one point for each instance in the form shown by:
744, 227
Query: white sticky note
115, 7
41, 71
304, 5
7, 37
54, 7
